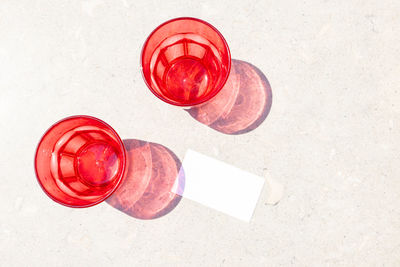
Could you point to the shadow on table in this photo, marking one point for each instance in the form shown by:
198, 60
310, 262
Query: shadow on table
241, 105
153, 174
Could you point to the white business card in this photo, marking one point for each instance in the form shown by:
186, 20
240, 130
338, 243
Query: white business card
219, 185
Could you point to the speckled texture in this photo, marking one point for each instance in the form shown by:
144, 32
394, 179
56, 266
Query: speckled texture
332, 137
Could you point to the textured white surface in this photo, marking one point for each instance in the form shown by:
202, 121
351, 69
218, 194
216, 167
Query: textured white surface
332, 136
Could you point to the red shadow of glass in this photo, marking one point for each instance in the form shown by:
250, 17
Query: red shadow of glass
153, 171
241, 105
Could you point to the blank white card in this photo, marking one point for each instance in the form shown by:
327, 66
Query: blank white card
219, 185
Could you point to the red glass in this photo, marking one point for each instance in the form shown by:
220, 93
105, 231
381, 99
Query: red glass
185, 61
80, 161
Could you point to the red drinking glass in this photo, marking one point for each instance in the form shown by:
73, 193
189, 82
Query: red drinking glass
80, 161
185, 61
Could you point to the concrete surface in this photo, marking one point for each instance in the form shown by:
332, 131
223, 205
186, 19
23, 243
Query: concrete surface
332, 136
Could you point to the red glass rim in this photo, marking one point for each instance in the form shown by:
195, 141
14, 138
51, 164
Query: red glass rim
115, 135
202, 100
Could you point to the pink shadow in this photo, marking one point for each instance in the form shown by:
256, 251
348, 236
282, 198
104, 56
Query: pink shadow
152, 171
241, 105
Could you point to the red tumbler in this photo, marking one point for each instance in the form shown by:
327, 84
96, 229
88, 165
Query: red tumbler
80, 161
185, 61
